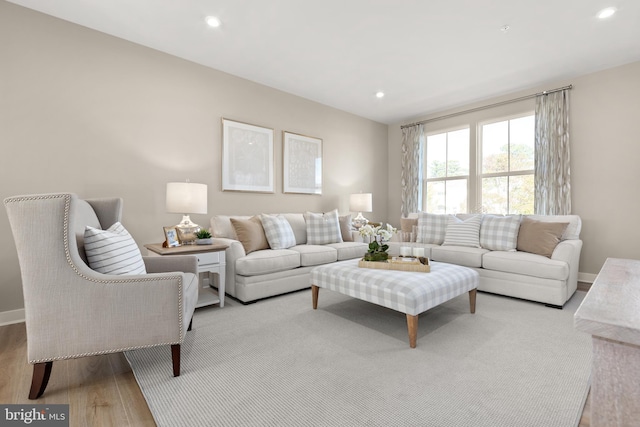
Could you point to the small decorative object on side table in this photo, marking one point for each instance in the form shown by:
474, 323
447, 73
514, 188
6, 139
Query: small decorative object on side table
211, 259
203, 237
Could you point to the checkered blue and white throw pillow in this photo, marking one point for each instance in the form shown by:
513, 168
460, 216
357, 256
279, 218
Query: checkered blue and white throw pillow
323, 228
278, 231
463, 233
431, 227
112, 251
500, 233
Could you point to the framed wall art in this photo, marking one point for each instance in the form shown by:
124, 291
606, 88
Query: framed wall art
247, 157
302, 164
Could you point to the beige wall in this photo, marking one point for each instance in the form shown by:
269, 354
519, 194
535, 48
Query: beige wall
605, 158
84, 112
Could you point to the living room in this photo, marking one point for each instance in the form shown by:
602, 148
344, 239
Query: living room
99, 116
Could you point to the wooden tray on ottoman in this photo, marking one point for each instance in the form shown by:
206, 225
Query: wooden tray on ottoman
395, 264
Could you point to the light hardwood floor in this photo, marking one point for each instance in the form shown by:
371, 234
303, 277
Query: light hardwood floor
101, 390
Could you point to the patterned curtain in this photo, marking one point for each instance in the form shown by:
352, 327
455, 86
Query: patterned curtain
411, 178
552, 177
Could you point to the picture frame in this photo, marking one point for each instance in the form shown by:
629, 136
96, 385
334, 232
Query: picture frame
247, 157
171, 236
302, 164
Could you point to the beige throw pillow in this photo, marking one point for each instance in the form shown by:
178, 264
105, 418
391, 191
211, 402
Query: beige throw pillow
345, 227
539, 237
407, 224
250, 234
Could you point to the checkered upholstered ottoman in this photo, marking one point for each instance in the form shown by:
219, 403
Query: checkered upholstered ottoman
407, 292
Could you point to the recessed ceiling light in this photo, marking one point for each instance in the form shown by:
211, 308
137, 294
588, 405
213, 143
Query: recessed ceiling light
605, 13
212, 21
379, 94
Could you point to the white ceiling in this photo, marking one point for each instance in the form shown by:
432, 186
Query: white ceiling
426, 55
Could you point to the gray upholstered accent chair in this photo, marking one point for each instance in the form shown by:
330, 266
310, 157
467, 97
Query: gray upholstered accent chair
73, 311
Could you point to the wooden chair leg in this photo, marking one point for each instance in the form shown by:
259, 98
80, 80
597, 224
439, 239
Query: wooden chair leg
175, 357
40, 379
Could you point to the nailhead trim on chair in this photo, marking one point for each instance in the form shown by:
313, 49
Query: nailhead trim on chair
67, 205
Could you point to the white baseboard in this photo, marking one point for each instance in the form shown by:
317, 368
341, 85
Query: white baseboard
11, 317
587, 277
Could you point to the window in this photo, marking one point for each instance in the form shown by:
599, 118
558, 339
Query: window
493, 175
446, 164
507, 149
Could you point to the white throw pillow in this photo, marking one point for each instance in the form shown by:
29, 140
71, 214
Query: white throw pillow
499, 233
323, 228
278, 231
112, 251
431, 228
463, 233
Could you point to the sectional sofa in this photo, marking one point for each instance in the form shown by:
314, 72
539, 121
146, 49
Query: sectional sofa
257, 268
530, 257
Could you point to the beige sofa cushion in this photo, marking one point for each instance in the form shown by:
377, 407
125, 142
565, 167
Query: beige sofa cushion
268, 261
250, 233
345, 227
572, 232
527, 264
540, 237
460, 255
315, 255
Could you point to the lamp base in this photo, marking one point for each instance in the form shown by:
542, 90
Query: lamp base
359, 221
187, 231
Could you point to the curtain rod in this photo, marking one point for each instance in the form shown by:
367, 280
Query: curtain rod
484, 107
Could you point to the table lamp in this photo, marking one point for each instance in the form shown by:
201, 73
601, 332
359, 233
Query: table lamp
187, 198
361, 202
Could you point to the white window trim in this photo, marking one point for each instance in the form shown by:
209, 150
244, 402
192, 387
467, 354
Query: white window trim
475, 176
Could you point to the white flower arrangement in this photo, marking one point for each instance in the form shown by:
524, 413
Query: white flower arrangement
384, 234
377, 249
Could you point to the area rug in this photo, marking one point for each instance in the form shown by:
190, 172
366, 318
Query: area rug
279, 363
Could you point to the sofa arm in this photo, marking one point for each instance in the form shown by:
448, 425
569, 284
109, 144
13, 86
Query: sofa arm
234, 251
569, 252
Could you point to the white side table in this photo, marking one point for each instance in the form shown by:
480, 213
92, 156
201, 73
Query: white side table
211, 259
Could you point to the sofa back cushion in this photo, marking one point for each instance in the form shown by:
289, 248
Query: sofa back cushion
298, 225
221, 226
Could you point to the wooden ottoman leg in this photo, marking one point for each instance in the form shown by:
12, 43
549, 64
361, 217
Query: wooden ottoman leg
472, 300
412, 326
314, 295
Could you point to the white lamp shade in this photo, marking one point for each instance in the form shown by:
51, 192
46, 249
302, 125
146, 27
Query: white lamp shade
361, 202
186, 198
